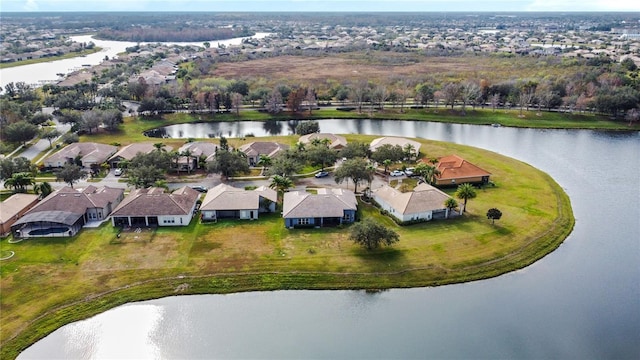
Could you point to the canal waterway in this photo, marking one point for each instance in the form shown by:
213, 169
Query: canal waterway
580, 302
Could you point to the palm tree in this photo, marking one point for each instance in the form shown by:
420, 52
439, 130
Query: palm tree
386, 164
19, 182
43, 189
188, 154
159, 146
408, 151
465, 192
281, 184
450, 204
265, 161
174, 155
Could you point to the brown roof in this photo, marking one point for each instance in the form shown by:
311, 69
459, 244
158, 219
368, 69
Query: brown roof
327, 203
423, 198
258, 148
131, 150
14, 204
455, 167
154, 201
77, 201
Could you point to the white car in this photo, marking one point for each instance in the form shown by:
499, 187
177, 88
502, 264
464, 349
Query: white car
396, 173
117, 172
409, 171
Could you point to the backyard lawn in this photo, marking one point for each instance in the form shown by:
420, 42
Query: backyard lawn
50, 282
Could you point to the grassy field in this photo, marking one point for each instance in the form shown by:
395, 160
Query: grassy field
51, 282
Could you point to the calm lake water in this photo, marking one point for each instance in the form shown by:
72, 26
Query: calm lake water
580, 302
47, 71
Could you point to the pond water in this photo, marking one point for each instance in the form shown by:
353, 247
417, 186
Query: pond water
582, 301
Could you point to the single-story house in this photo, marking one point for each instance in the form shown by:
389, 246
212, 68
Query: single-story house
254, 149
89, 153
65, 211
329, 207
128, 152
154, 207
424, 203
198, 149
225, 201
393, 141
334, 141
13, 208
454, 170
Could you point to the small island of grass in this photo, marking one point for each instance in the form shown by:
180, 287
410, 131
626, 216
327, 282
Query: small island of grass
50, 282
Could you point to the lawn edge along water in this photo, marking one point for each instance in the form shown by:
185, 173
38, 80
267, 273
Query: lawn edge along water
178, 282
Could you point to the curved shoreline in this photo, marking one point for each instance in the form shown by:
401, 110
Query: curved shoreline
189, 282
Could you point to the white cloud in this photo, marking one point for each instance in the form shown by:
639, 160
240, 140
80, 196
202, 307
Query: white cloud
31, 5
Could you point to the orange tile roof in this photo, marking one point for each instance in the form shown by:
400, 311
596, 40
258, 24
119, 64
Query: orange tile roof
455, 167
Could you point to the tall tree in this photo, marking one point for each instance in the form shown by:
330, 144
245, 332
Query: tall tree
281, 184
70, 173
465, 192
354, 169
228, 163
49, 133
371, 234
321, 155
10, 166
20, 131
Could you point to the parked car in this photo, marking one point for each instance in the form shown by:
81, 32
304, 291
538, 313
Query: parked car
322, 174
200, 188
117, 172
409, 171
396, 173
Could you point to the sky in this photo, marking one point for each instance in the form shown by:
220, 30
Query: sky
320, 5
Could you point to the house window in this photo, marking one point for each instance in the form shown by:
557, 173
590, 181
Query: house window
346, 217
303, 221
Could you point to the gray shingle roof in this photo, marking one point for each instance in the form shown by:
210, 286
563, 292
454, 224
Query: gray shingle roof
423, 198
327, 203
226, 197
154, 202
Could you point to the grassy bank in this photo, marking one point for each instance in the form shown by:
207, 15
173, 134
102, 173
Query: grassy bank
133, 128
51, 282
48, 59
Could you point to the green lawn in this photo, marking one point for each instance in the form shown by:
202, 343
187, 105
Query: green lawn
51, 282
